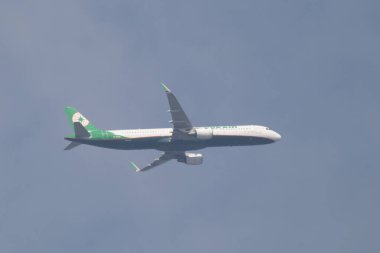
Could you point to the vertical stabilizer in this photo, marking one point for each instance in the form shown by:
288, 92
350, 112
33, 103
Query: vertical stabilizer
76, 117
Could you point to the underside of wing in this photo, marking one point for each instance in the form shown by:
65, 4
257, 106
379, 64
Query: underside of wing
165, 157
181, 123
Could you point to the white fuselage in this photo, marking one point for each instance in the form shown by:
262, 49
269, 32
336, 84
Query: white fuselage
221, 131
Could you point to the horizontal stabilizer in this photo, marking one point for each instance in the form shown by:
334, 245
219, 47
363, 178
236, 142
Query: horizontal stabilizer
72, 145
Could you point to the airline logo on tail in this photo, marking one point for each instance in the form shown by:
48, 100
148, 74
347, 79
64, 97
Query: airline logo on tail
78, 117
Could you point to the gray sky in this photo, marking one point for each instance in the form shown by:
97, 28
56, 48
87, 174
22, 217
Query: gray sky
308, 69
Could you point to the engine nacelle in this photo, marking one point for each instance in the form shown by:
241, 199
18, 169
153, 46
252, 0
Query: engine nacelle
191, 159
204, 133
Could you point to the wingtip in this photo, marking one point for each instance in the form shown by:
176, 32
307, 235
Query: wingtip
137, 169
166, 89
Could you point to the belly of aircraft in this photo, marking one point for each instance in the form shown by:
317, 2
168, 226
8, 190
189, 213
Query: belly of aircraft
164, 144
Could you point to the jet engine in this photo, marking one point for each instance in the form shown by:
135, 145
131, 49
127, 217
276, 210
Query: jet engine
191, 159
204, 133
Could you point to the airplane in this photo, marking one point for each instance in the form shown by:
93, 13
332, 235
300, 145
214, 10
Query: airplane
175, 142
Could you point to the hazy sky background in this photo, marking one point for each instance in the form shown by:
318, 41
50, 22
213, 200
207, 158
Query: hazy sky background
309, 69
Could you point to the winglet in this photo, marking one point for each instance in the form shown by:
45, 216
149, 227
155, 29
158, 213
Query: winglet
166, 89
135, 167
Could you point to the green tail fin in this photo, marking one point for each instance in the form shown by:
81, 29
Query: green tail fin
75, 116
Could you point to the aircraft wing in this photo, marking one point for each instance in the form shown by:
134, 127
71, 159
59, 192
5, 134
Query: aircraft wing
180, 121
165, 157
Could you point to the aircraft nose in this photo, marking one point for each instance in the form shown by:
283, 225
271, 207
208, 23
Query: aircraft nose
276, 136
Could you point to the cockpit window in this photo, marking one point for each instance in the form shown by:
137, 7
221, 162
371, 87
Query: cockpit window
267, 128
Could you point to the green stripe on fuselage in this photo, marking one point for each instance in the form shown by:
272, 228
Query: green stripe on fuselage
100, 135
